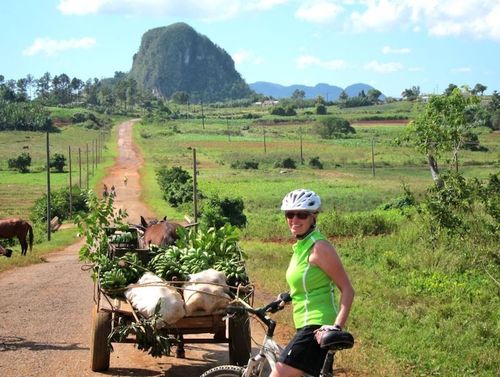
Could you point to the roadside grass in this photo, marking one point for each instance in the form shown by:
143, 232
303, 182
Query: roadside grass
419, 310
411, 317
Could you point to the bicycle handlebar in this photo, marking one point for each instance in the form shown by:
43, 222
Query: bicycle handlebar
261, 313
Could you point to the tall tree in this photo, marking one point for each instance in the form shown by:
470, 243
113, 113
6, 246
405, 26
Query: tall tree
373, 95
411, 94
22, 90
298, 94
450, 89
43, 86
444, 126
479, 89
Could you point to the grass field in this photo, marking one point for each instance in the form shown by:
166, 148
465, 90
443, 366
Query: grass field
412, 301
420, 309
18, 192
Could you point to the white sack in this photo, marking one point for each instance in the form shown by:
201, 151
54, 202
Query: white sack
205, 296
145, 298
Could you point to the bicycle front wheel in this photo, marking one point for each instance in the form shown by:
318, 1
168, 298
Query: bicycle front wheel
224, 371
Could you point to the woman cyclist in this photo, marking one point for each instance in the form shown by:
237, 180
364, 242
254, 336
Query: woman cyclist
314, 271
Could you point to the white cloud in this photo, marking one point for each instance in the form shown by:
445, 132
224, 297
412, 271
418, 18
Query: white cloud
391, 50
204, 10
318, 11
377, 67
415, 69
460, 18
81, 7
461, 69
307, 60
379, 15
266, 4
242, 56
48, 47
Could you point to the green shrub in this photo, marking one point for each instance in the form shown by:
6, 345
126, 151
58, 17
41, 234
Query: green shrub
217, 212
401, 202
281, 111
334, 128
20, 163
176, 184
287, 163
315, 163
58, 161
321, 109
59, 205
244, 165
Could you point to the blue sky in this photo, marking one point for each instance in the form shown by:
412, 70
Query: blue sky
389, 44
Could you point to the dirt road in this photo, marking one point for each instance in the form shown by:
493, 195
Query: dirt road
45, 308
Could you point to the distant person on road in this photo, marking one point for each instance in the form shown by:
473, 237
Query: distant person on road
113, 192
315, 270
125, 180
105, 192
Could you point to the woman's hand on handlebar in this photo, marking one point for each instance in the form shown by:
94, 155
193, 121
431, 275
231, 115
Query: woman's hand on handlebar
285, 298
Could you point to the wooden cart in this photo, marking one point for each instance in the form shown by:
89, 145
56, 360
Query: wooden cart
108, 312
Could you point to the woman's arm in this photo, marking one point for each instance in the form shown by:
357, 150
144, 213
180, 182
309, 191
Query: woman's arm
325, 257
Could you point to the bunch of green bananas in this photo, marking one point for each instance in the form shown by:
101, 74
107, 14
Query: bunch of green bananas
166, 264
120, 271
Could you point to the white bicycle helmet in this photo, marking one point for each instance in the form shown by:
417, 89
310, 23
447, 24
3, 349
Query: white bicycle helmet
301, 200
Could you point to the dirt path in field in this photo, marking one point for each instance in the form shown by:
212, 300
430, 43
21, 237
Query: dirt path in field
46, 308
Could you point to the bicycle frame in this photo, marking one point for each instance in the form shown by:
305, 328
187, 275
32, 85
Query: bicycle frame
258, 365
269, 351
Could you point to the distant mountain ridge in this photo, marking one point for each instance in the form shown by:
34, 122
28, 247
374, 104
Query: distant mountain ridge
328, 92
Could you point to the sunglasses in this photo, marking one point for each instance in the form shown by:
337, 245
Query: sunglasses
300, 215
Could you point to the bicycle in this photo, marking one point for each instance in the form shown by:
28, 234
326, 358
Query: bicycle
267, 357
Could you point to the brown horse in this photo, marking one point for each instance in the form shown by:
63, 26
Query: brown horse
10, 228
161, 233
5, 252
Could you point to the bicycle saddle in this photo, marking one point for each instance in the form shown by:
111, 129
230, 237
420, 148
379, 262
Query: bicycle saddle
336, 340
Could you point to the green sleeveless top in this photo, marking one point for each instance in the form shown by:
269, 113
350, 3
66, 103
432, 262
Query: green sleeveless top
311, 289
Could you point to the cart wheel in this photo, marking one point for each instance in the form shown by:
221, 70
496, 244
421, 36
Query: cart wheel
240, 347
99, 350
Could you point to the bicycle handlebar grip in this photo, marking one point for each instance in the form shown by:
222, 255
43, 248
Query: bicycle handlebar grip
285, 297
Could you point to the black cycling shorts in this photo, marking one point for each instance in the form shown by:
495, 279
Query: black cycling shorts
303, 352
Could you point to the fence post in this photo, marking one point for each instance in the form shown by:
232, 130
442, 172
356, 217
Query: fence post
301, 149
70, 185
48, 185
80, 165
373, 158
264, 134
195, 189
87, 166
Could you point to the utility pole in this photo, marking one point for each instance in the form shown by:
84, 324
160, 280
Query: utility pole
48, 185
202, 116
195, 193
264, 133
373, 157
70, 185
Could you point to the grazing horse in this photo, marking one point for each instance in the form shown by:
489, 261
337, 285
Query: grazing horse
5, 252
10, 228
160, 233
